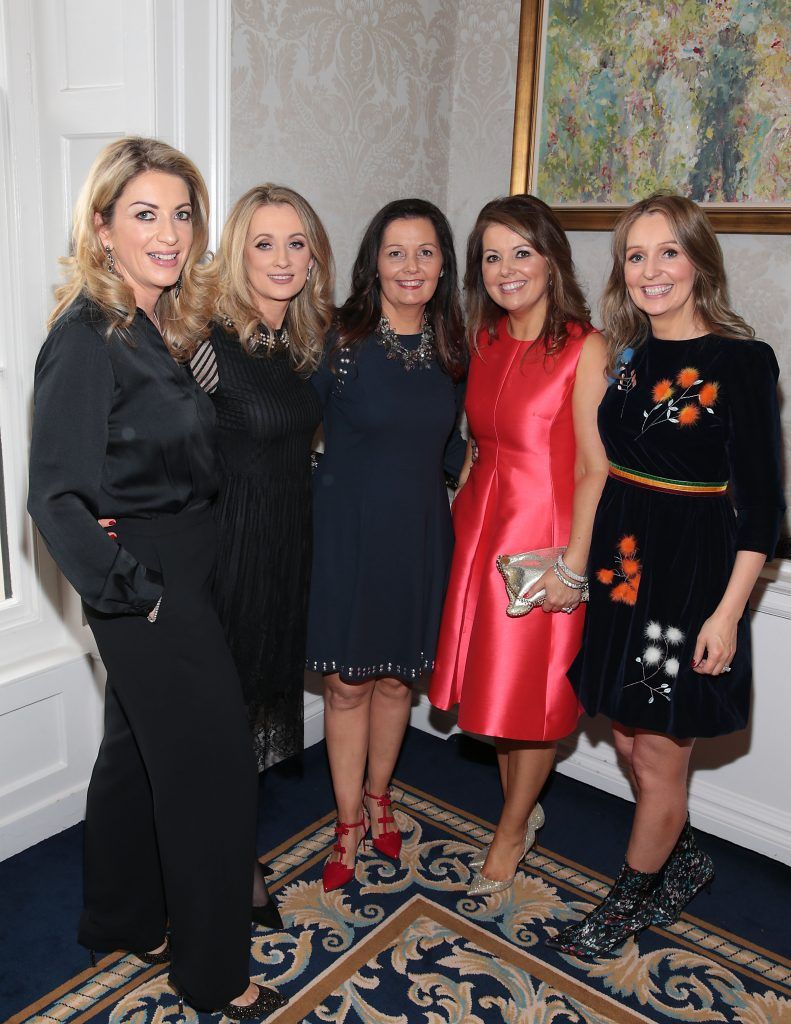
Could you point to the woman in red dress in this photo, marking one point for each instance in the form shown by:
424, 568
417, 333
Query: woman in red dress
536, 379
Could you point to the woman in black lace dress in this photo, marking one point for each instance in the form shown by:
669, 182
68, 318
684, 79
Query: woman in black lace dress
275, 272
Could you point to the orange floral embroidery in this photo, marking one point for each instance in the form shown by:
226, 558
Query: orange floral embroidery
688, 416
707, 395
687, 377
661, 391
626, 574
683, 408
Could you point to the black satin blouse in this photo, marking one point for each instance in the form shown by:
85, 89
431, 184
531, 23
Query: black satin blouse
120, 429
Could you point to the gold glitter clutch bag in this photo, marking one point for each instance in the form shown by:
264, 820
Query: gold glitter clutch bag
521, 571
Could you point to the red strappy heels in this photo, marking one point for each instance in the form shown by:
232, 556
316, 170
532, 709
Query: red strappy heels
336, 874
388, 842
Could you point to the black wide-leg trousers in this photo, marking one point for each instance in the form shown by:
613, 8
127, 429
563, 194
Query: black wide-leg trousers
170, 820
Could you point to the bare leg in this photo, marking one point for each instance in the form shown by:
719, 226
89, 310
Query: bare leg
502, 747
529, 765
623, 737
391, 704
346, 728
660, 765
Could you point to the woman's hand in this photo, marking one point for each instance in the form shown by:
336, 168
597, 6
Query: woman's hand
106, 524
557, 596
716, 644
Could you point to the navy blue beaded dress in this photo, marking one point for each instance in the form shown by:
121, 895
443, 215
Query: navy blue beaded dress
692, 433
382, 533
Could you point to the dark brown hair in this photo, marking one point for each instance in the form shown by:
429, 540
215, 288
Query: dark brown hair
361, 312
537, 224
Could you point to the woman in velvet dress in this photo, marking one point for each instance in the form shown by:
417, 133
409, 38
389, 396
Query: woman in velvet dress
692, 431
275, 301
121, 428
536, 378
382, 529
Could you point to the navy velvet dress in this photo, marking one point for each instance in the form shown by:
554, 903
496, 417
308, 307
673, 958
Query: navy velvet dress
382, 534
692, 432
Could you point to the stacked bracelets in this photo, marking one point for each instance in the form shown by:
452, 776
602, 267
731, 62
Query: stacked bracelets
568, 578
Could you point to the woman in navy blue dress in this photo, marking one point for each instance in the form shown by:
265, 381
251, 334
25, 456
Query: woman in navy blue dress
389, 383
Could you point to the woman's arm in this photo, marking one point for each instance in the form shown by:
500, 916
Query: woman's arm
716, 644
755, 458
74, 388
466, 465
590, 472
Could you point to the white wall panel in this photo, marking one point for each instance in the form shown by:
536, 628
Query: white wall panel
81, 24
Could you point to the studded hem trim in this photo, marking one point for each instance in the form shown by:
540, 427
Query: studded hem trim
359, 674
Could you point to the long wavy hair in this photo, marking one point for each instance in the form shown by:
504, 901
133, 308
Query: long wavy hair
623, 324
361, 312
537, 224
184, 311
310, 312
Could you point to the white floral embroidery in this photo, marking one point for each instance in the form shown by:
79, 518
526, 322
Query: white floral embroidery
656, 659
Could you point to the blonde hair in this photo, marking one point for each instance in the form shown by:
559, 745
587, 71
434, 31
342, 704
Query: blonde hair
623, 324
310, 312
184, 311
531, 218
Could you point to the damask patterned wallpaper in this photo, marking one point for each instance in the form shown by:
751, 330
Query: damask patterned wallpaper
356, 102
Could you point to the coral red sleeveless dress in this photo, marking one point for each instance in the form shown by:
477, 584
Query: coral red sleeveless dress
509, 675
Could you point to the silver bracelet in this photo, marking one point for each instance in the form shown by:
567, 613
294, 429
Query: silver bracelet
568, 583
568, 572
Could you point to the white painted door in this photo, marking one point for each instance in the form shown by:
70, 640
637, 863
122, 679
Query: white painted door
74, 74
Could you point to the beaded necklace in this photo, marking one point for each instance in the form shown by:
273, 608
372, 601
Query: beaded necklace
422, 356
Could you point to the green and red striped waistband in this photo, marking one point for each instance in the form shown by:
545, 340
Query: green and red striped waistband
665, 484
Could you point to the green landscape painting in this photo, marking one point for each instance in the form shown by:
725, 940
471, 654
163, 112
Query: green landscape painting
693, 96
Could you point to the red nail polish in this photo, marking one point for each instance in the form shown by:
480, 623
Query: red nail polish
694, 663
111, 522
113, 536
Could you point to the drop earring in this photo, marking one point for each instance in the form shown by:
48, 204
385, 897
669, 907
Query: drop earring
310, 271
109, 260
177, 288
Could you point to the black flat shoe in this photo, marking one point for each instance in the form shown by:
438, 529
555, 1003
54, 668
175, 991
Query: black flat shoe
264, 1005
162, 957
267, 1002
268, 915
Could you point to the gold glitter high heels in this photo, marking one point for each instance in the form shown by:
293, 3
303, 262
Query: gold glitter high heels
534, 823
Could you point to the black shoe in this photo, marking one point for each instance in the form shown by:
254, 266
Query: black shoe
265, 1004
687, 871
268, 915
625, 910
162, 957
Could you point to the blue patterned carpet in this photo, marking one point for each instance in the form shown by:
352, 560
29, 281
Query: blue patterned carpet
404, 944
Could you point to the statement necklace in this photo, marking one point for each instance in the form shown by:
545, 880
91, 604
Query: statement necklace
264, 337
422, 356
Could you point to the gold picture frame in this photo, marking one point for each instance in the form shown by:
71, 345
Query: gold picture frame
741, 218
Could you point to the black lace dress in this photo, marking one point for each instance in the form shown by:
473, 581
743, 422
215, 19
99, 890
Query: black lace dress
266, 418
692, 432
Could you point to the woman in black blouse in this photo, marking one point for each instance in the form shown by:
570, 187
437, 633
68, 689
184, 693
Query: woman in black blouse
121, 428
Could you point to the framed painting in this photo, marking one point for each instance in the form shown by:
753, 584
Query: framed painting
616, 98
